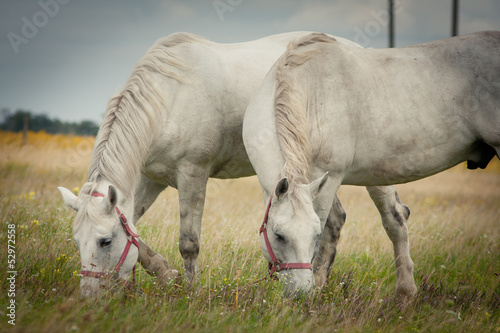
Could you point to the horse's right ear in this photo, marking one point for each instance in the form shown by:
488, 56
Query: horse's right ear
69, 198
281, 188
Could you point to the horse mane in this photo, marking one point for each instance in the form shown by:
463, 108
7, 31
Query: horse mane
132, 118
290, 106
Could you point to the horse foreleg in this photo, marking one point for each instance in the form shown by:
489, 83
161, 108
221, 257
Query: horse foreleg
329, 240
395, 221
192, 187
155, 265
145, 194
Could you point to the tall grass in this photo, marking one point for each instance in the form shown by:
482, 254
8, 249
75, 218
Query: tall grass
454, 234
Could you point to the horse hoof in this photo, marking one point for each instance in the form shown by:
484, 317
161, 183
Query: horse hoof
404, 298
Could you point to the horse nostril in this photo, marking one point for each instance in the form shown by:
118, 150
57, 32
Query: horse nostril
281, 238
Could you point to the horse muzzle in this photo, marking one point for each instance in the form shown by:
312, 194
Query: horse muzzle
296, 282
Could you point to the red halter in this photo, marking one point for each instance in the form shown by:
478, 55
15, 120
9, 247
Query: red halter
131, 239
276, 266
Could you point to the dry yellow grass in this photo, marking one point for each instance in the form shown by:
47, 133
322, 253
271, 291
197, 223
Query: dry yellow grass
46, 160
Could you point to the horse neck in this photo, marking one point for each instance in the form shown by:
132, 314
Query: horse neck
261, 143
123, 141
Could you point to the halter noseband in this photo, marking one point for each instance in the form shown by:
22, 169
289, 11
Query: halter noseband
131, 239
276, 266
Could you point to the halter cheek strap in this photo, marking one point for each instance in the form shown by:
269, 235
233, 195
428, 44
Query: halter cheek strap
276, 266
131, 239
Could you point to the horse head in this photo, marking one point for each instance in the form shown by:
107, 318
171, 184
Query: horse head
290, 235
103, 235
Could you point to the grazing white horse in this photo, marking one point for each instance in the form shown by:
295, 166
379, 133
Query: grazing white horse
176, 123
364, 117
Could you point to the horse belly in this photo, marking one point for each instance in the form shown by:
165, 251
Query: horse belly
233, 168
400, 164
230, 159
393, 171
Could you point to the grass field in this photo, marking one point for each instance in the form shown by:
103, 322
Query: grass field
454, 235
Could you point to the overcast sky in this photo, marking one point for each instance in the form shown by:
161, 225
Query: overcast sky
66, 58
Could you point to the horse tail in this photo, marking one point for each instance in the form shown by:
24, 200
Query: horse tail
290, 104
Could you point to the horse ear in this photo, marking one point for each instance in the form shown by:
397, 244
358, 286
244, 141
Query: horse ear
110, 200
281, 188
316, 186
69, 198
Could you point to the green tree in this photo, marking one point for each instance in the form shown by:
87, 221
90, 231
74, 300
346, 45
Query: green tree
14, 122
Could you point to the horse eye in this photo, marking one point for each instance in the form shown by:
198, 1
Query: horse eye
105, 242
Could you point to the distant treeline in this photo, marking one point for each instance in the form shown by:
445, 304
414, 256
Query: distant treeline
15, 122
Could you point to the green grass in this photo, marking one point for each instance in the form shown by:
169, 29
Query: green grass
454, 239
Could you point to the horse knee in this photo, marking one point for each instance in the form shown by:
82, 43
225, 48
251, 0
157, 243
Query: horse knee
189, 246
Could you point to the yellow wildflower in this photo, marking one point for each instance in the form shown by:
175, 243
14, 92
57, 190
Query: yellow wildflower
35, 222
76, 190
63, 258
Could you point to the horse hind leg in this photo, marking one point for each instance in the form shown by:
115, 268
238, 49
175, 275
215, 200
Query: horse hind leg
395, 221
328, 245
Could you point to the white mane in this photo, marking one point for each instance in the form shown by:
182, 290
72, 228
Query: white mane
290, 103
132, 117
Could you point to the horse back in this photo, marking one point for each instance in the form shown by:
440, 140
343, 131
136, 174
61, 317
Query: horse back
405, 104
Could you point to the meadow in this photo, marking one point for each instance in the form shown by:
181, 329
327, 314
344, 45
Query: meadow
454, 237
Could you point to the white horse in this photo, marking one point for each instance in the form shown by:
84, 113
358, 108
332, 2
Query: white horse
176, 123
364, 117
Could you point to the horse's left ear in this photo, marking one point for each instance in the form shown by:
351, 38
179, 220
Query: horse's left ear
316, 186
110, 200
69, 198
